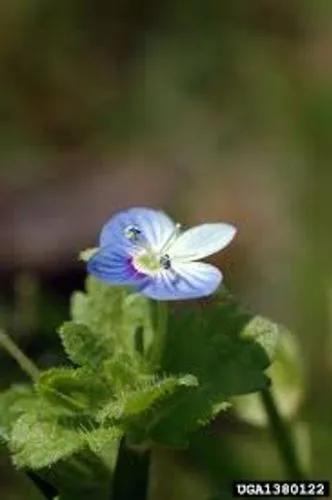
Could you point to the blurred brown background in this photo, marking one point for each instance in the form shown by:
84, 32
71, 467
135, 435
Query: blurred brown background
215, 110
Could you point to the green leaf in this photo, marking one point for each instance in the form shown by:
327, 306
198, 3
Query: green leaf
38, 443
264, 332
144, 396
136, 392
105, 444
84, 346
114, 316
124, 372
71, 390
227, 349
39, 439
13, 403
224, 346
286, 373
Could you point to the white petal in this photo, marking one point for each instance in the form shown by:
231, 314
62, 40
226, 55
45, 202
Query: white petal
186, 280
201, 241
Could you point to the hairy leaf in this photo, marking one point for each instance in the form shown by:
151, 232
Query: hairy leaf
38, 443
114, 316
144, 396
227, 350
83, 345
14, 402
124, 372
73, 390
105, 444
39, 440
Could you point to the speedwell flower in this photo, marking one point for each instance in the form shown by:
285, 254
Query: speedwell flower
144, 248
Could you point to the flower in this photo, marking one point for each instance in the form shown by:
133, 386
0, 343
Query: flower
144, 248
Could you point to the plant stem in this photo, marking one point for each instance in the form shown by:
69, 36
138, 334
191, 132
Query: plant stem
160, 333
283, 437
45, 488
162, 474
22, 360
130, 479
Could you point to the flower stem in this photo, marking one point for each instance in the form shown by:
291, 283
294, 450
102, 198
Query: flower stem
45, 488
283, 437
130, 480
22, 360
160, 333
161, 474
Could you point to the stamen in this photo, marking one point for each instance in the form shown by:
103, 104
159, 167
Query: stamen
170, 240
165, 261
132, 233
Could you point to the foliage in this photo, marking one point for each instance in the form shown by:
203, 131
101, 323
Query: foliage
13, 403
113, 316
287, 375
112, 389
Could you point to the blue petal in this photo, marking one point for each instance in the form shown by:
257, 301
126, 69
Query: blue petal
186, 280
154, 226
113, 265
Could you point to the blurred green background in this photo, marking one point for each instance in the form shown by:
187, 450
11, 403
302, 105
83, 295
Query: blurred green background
215, 110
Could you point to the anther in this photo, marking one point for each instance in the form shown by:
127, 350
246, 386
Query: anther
132, 233
165, 261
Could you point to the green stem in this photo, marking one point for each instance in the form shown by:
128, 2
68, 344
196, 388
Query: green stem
22, 360
160, 333
45, 488
130, 480
283, 437
161, 474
